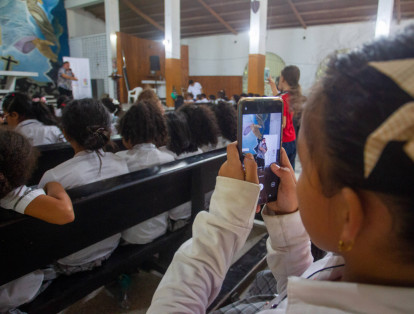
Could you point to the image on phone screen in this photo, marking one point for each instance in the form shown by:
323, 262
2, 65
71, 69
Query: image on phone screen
261, 136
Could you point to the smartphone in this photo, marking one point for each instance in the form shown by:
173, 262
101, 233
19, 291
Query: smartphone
259, 132
266, 74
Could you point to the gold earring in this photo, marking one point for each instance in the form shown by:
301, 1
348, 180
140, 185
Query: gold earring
345, 247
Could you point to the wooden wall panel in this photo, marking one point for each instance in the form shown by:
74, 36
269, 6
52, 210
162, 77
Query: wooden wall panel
256, 74
173, 79
184, 68
137, 56
212, 84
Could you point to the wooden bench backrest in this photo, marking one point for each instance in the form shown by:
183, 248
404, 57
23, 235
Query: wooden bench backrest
105, 208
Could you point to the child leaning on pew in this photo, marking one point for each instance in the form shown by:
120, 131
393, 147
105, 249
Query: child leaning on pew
143, 130
18, 159
87, 127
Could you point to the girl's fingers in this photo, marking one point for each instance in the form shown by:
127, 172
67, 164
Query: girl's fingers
250, 167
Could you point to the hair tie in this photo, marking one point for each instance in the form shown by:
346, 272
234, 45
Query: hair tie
37, 99
400, 125
99, 131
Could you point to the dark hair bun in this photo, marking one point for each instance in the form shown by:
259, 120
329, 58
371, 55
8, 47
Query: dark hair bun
87, 122
97, 137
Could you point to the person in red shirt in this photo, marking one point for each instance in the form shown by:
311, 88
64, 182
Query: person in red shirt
292, 99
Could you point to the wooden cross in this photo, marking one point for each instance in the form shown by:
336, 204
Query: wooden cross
9, 60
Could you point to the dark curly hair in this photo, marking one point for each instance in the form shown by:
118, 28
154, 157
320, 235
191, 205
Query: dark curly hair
148, 95
20, 103
227, 120
144, 123
179, 136
203, 125
17, 160
109, 105
87, 122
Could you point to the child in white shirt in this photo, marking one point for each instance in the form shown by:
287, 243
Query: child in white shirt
86, 125
143, 130
32, 119
52, 205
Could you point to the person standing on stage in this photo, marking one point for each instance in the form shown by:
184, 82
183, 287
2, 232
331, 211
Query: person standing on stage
65, 78
194, 88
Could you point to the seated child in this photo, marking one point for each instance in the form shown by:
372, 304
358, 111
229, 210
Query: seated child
227, 121
86, 125
203, 126
178, 145
143, 130
18, 158
32, 119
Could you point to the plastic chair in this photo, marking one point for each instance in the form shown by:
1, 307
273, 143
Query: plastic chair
134, 93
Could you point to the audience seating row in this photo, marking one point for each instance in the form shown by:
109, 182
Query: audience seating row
102, 209
54, 154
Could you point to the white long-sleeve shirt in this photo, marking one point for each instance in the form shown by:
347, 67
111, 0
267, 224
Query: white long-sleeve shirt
195, 276
39, 134
142, 156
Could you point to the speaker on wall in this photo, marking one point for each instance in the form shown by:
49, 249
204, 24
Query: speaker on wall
155, 63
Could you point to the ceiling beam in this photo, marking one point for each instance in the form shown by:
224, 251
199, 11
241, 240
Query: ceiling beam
218, 17
77, 4
323, 21
300, 19
143, 15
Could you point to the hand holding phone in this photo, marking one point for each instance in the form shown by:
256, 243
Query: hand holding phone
232, 167
287, 201
259, 133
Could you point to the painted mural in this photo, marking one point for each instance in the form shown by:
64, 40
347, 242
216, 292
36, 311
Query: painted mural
33, 38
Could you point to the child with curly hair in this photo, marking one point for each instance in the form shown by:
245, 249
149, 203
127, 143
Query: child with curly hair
227, 120
51, 204
203, 126
144, 130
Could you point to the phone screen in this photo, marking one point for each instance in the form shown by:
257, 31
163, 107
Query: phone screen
259, 133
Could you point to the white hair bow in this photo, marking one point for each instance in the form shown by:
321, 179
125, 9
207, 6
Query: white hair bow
400, 125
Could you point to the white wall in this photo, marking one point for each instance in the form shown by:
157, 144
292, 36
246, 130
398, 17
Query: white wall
92, 47
226, 55
82, 23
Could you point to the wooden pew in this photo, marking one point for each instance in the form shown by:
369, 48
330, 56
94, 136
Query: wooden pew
102, 209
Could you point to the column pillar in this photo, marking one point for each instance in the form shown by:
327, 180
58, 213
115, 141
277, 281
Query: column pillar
384, 18
172, 49
111, 27
257, 46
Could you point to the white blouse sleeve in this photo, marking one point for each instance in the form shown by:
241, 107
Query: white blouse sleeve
20, 198
196, 274
288, 246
